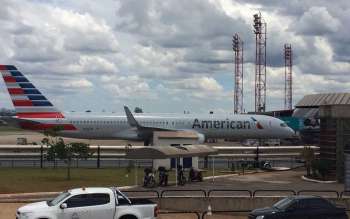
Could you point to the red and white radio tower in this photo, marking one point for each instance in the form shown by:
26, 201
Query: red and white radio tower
260, 63
237, 46
288, 89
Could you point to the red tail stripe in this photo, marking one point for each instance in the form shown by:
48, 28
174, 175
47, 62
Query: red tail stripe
259, 126
9, 79
15, 91
41, 115
3, 67
31, 126
22, 103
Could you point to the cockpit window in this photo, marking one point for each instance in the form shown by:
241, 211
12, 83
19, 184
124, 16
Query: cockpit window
283, 124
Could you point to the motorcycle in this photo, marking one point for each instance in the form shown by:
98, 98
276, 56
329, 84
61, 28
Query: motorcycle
149, 178
195, 175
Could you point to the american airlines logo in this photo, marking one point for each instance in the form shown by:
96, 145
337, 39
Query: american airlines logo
221, 124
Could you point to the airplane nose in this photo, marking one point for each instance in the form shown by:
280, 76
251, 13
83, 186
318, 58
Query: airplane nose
289, 132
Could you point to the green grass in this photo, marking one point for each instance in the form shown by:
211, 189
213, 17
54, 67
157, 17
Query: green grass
17, 180
10, 129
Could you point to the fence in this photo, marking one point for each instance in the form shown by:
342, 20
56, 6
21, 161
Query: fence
166, 193
114, 156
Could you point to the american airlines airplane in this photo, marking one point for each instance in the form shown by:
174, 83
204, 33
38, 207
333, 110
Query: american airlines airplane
35, 112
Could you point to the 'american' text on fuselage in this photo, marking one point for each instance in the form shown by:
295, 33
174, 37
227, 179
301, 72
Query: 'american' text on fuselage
221, 124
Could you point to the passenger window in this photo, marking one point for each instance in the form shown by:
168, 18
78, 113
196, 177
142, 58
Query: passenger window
303, 204
318, 203
87, 200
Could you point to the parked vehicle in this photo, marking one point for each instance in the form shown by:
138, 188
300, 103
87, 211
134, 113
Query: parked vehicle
90, 203
300, 207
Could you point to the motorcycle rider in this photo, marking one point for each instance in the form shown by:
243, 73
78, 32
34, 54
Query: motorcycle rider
163, 176
180, 175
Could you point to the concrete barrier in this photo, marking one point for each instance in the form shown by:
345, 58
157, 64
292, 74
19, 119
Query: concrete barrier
199, 204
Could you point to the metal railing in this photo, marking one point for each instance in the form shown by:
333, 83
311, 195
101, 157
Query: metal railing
202, 191
274, 191
314, 192
248, 192
129, 192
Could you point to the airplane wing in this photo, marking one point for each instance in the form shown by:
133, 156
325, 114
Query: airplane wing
133, 123
147, 132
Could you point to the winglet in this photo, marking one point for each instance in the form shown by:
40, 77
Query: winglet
130, 117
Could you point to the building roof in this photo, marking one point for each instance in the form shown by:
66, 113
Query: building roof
316, 100
162, 152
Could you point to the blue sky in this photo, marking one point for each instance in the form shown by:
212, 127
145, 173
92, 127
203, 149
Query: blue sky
170, 56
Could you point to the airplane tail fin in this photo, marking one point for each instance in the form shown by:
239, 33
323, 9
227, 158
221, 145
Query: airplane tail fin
27, 100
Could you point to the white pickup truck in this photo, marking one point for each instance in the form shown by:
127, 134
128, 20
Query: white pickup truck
90, 203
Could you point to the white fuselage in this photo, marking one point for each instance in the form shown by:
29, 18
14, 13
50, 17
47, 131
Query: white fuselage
210, 125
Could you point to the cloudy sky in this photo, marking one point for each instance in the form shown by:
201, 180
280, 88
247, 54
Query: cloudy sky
170, 56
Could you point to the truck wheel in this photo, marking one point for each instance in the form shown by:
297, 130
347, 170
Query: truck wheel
128, 216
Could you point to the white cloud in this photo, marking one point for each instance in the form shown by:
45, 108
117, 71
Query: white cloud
173, 50
317, 21
78, 84
128, 87
198, 84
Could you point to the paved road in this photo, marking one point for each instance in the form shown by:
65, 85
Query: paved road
264, 180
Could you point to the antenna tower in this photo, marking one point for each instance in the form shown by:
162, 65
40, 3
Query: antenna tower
260, 63
237, 46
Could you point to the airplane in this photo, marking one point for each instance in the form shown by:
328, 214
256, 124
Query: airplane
35, 112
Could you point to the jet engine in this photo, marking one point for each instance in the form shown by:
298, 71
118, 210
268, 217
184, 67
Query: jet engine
201, 138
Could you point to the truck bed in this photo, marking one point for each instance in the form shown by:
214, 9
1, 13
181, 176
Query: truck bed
141, 201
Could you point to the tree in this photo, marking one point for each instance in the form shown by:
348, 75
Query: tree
308, 155
57, 148
323, 167
138, 110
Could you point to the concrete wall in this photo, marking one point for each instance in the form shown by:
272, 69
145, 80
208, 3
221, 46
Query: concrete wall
225, 203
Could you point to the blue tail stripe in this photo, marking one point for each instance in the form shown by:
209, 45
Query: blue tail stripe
21, 79
42, 103
26, 85
36, 97
31, 91
11, 67
16, 73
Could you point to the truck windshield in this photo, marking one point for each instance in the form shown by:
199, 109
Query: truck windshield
58, 199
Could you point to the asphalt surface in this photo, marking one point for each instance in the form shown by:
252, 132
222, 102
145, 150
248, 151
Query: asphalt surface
278, 180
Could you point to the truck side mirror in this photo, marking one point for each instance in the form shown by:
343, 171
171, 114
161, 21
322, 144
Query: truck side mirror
63, 206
